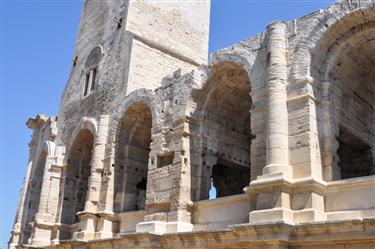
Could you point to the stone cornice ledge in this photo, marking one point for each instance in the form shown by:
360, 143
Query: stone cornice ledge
320, 233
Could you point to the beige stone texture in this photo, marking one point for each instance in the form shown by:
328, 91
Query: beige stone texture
282, 125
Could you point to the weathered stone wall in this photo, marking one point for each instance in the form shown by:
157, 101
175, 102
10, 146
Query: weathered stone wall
278, 123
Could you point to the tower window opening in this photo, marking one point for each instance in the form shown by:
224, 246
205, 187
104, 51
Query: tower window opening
90, 82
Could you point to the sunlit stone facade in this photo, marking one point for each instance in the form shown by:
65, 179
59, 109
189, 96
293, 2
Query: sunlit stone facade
282, 125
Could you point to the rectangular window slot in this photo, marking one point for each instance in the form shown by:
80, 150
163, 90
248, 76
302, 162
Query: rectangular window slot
87, 81
93, 76
165, 159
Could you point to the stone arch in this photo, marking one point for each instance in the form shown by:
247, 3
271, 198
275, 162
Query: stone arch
228, 57
341, 60
324, 64
85, 123
76, 177
50, 147
140, 95
94, 58
301, 68
224, 120
131, 157
33, 194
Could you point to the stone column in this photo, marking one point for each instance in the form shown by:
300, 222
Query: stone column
88, 217
270, 192
277, 118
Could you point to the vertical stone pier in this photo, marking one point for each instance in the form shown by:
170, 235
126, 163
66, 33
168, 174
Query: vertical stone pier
270, 192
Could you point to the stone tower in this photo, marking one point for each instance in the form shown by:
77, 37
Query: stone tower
122, 47
282, 125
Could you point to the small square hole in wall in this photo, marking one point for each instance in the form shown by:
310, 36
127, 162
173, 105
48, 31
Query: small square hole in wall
119, 23
75, 61
165, 159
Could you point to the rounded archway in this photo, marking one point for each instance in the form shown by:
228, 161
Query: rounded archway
345, 58
77, 174
226, 131
131, 158
33, 195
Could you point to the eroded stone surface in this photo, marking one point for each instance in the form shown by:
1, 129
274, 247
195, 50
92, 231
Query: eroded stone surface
281, 124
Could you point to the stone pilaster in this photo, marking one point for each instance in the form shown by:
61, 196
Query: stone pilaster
168, 198
88, 217
106, 214
45, 218
330, 169
180, 220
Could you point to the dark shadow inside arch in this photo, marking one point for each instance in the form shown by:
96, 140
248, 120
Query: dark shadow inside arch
354, 156
345, 57
224, 133
77, 174
131, 158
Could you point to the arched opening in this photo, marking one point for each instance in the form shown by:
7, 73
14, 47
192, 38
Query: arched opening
91, 70
33, 197
76, 179
226, 136
349, 52
131, 158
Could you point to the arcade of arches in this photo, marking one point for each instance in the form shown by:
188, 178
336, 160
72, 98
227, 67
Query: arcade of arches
281, 125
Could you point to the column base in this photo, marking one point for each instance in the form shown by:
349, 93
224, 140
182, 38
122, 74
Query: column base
277, 171
55, 242
162, 227
283, 215
42, 233
40, 242
309, 215
104, 235
87, 224
84, 235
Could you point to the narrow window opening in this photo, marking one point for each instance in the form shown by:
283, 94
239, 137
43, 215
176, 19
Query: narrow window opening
93, 76
90, 82
87, 81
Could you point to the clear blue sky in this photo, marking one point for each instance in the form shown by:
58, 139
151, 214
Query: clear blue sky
37, 50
